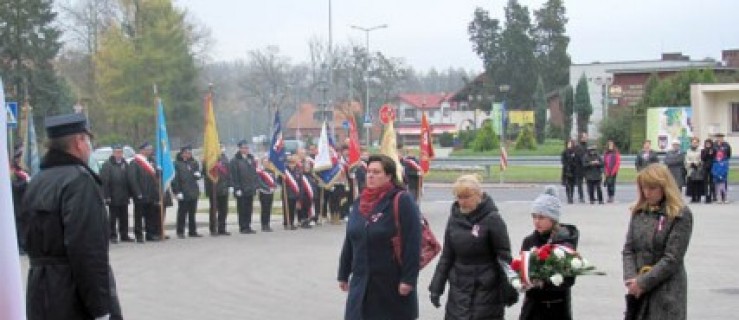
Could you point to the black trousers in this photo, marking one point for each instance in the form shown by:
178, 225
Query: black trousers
266, 200
578, 183
318, 204
695, 190
610, 184
147, 218
288, 218
186, 211
593, 188
327, 195
119, 219
245, 208
218, 213
337, 195
710, 188
569, 183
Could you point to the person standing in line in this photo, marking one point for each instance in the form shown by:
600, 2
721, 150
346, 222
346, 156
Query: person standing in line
266, 192
720, 172
185, 187
653, 254
646, 156
293, 192
708, 154
379, 285
723, 147
411, 172
244, 179
476, 243
582, 151
546, 300
612, 163
694, 169
144, 186
593, 166
570, 163
675, 162
360, 172
218, 195
115, 188
67, 231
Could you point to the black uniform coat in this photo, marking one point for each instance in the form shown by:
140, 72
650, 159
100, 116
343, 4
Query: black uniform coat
187, 174
367, 257
244, 174
474, 245
571, 163
567, 235
645, 158
675, 162
224, 178
144, 185
67, 234
115, 182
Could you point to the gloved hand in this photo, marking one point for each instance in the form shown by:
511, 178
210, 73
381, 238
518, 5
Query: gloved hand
197, 174
435, 300
107, 201
180, 196
105, 317
230, 189
237, 193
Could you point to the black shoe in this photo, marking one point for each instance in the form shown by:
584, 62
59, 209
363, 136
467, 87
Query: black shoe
194, 235
305, 225
114, 240
139, 240
181, 235
582, 200
570, 201
153, 238
224, 233
293, 228
247, 231
266, 229
127, 239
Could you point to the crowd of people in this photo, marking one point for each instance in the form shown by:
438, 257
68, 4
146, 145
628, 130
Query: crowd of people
701, 172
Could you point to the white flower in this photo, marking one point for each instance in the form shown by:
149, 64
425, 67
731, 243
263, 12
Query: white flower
586, 263
576, 263
559, 253
556, 279
516, 283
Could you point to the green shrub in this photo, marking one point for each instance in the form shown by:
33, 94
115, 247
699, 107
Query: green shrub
486, 138
526, 139
446, 140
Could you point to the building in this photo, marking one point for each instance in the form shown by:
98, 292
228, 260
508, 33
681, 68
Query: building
444, 115
716, 110
303, 124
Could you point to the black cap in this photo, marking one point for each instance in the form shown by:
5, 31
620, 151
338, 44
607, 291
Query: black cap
117, 146
66, 124
144, 145
243, 143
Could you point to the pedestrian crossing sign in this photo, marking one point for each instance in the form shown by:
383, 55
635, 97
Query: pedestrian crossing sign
12, 110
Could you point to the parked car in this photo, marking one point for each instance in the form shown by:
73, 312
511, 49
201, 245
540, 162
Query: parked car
102, 154
291, 146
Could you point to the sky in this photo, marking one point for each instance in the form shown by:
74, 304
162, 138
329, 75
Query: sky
433, 33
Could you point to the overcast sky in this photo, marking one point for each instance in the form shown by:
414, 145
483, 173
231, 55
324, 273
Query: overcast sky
433, 33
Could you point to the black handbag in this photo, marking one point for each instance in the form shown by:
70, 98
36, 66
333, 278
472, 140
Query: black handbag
632, 307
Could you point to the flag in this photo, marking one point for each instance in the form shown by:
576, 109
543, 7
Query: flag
30, 147
327, 167
389, 148
12, 301
163, 154
503, 158
211, 144
426, 148
277, 148
355, 151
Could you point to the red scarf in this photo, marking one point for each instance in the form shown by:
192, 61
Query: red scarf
371, 196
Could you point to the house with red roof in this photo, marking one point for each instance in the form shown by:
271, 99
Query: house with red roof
444, 115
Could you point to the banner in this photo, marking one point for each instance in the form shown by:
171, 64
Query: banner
211, 144
277, 158
666, 124
31, 160
388, 147
355, 150
163, 154
327, 167
426, 147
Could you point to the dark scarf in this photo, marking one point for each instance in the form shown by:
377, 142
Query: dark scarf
58, 158
371, 196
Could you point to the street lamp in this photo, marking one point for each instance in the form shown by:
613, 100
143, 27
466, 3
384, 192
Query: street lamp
604, 83
366, 72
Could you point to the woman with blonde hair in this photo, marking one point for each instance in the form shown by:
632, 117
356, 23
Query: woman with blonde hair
656, 242
476, 242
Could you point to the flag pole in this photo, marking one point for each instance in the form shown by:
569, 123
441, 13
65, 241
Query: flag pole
160, 164
285, 205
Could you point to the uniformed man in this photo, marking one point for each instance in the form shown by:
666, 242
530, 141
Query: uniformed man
115, 189
144, 182
266, 191
293, 192
244, 179
411, 172
186, 190
67, 231
219, 202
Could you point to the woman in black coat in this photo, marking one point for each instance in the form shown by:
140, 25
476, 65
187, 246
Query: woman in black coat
379, 286
707, 155
571, 162
475, 243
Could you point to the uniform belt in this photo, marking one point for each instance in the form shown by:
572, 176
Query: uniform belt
549, 303
48, 261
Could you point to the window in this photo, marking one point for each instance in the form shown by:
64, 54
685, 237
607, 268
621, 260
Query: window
409, 113
735, 117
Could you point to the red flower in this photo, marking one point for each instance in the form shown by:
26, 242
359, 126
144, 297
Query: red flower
544, 253
516, 265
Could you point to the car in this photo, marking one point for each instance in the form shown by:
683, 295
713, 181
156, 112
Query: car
102, 154
291, 146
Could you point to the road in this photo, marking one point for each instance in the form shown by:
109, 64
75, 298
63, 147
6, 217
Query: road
291, 274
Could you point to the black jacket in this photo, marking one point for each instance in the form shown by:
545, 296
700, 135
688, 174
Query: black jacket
644, 159
593, 166
474, 246
144, 185
565, 235
115, 182
571, 163
244, 174
67, 230
187, 174
224, 178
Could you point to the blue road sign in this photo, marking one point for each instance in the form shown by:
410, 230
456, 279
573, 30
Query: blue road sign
12, 109
368, 118
345, 124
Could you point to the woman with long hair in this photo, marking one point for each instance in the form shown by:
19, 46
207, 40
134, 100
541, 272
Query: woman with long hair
379, 285
611, 163
656, 243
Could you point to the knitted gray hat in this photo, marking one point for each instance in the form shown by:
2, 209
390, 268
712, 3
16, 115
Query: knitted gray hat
547, 203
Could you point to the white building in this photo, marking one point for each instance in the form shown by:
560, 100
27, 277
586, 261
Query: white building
716, 110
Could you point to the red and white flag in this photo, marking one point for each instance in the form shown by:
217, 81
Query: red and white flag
503, 158
426, 148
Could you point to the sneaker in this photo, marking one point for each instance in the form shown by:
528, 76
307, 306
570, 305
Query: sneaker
247, 231
266, 229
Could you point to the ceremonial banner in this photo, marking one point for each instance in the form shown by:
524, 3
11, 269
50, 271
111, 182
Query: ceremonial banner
327, 167
277, 148
31, 159
426, 147
163, 154
389, 147
355, 151
211, 144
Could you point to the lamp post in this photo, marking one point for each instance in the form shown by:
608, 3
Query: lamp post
503, 88
366, 72
604, 84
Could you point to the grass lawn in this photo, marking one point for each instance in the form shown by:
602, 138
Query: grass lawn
550, 147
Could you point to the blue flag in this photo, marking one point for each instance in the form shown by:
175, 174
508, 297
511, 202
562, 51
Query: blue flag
277, 147
163, 155
328, 165
30, 146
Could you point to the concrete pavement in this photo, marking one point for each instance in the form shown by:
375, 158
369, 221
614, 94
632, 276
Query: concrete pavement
291, 274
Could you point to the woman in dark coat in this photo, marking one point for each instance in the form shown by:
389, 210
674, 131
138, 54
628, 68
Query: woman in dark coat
475, 244
656, 242
379, 286
707, 155
675, 162
570, 163
549, 301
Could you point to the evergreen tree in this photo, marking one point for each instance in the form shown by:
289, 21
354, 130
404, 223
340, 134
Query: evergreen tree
583, 107
29, 43
486, 138
526, 140
540, 113
568, 109
551, 45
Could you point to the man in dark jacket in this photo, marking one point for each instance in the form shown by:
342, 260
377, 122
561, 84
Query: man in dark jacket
593, 169
115, 189
244, 179
186, 189
581, 151
646, 156
67, 231
219, 202
411, 172
143, 180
